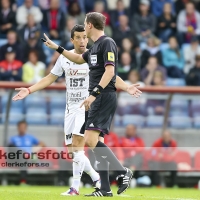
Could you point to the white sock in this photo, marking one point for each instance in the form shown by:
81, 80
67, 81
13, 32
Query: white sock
89, 169
78, 167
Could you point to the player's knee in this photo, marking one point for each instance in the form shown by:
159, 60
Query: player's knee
78, 141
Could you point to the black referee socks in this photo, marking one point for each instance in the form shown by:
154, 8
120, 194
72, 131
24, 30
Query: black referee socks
103, 169
102, 150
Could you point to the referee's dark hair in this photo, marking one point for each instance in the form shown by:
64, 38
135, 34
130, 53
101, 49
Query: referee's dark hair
77, 28
96, 19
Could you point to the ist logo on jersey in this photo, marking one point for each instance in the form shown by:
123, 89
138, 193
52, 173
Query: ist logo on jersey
77, 72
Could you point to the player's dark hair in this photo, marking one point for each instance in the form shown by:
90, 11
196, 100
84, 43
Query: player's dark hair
77, 28
96, 19
21, 122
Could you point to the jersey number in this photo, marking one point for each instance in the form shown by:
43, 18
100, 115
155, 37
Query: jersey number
76, 82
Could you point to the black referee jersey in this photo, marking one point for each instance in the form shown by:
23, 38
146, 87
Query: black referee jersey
101, 112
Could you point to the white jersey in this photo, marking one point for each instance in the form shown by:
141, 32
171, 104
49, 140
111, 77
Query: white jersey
77, 81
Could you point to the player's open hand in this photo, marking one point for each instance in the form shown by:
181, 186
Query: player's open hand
133, 90
23, 92
49, 43
87, 103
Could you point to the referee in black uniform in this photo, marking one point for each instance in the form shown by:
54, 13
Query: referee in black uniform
102, 102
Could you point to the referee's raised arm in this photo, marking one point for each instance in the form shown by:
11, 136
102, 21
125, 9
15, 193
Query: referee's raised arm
76, 58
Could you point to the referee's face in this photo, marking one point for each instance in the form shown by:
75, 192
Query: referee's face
80, 41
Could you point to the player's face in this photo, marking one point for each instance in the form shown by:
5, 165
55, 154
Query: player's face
80, 41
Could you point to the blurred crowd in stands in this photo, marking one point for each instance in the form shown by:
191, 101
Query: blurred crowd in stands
158, 40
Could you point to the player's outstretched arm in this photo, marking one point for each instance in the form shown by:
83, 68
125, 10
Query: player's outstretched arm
76, 58
43, 83
131, 89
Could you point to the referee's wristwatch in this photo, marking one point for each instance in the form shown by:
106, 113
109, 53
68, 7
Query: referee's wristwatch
97, 91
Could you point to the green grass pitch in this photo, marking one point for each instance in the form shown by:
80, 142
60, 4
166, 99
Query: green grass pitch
53, 193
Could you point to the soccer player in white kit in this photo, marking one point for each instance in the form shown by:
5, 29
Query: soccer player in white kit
77, 83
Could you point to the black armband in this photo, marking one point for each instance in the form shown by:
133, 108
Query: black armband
60, 49
97, 91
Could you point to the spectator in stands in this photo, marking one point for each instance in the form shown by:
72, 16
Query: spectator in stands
31, 29
123, 31
193, 77
166, 23
12, 41
152, 49
66, 39
26, 9
144, 23
148, 72
132, 47
188, 23
158, 79
74, 10
133, 147
34, 44
54, 20
7, 18
99, 7
190, 53
33, 70
120, 10
158, 5
10, 68
25, 142
162, 158
126, 65
89, 5
173, 59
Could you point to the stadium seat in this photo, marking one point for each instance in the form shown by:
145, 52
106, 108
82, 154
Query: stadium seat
195, 108
117, 120
183, 157
15, 115
154, 121
197, 161
180, 122
14, 104
35, 101
175, 82
37, 116
137, 120
57, 102
179, 107
57, 116
196, 121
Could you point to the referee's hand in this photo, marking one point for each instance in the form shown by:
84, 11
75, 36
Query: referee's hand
87, 103
134, 91
23, 92
50, 43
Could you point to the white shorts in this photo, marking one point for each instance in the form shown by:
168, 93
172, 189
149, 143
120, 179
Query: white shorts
74, 122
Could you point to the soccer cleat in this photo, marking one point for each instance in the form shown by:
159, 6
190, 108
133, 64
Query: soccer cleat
70, 192
97, 184
124, 181
100, 193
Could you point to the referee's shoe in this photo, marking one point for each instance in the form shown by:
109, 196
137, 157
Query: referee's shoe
124, 181
100, 193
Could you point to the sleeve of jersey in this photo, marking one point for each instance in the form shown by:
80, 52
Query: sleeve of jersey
57, 69
109, 53
85, 56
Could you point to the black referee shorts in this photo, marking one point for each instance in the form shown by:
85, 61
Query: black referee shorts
101, 113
